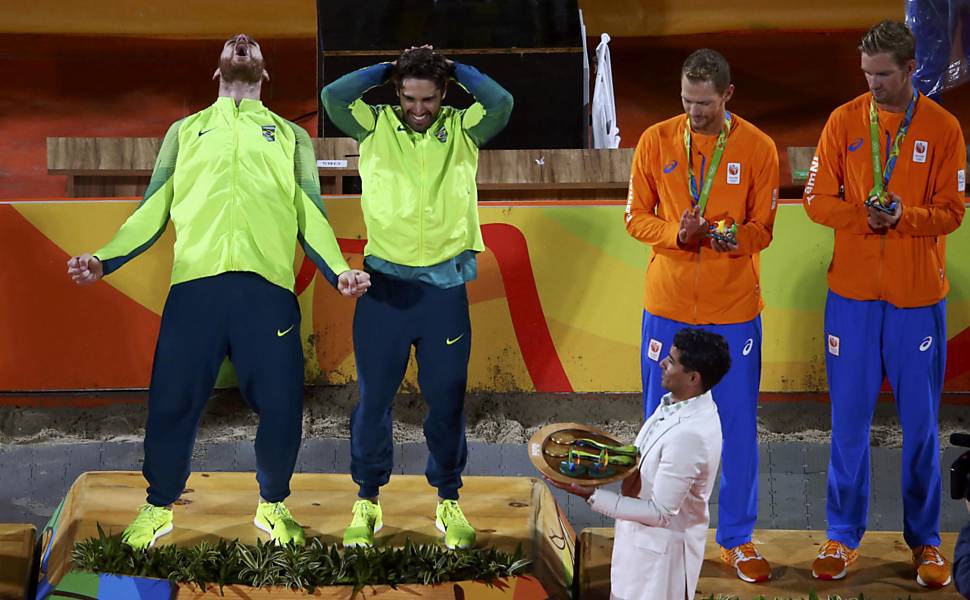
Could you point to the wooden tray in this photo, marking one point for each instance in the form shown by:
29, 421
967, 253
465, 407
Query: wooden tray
549, 465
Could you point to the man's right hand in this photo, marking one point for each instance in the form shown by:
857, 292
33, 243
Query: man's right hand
693, 227
412, 49
85, 269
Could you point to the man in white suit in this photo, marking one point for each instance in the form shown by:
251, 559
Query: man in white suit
661, 514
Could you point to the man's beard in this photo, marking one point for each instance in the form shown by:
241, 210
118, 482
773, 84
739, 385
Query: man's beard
249, 71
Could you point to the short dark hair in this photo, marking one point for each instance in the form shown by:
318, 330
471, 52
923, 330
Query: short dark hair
708, 65
421, 63
892, 37
704, 352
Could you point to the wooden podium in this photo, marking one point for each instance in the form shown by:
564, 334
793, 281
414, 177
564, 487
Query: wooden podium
506, 511
883, 572
16, 560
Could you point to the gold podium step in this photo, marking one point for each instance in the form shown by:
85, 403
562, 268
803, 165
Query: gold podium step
883, 571
506, 511
16, 559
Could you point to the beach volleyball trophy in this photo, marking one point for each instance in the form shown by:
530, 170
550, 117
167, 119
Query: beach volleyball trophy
580, 454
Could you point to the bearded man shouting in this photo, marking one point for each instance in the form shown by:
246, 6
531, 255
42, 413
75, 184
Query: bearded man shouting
240, 185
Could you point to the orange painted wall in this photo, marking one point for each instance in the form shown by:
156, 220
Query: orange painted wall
56, 85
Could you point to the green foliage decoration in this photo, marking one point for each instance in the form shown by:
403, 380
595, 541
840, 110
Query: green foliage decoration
296, 567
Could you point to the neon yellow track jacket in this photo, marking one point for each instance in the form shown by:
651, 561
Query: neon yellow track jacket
420, 199
240, 185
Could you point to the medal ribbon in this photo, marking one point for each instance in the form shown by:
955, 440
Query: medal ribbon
700, 198
880, 178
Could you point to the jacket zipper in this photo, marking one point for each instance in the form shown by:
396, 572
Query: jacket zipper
882, 258
697, 281
232, 195
421, 202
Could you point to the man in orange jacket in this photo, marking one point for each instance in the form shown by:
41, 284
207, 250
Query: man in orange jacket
889, 177
688, 172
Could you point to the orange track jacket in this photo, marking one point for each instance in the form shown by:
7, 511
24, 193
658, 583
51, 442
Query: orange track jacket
698, 285
905, 265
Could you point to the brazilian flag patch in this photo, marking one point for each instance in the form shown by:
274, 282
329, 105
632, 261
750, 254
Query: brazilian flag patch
269, 133
442, 134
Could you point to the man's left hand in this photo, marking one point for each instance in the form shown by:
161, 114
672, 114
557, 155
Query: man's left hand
573, 488
879, 220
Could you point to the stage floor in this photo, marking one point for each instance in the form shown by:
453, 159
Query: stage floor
883, 571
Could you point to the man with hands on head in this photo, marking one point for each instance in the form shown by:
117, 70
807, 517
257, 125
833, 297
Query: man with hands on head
687, 173
661, 513
885, 314
240, 184
418, 161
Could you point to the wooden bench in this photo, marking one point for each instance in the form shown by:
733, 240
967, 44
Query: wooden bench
800, 159
111, 167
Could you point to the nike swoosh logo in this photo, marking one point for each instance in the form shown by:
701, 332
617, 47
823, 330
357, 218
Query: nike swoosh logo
282, 333
205, 131
450, 341
401, 128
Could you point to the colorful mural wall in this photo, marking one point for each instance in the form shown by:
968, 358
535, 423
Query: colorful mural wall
556, 307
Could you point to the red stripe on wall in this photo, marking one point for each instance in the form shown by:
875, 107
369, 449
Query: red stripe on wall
531, 330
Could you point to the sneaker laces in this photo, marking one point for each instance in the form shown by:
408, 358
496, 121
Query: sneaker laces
451, 513
151, 513
931, 555
280, 511
833, 549
364, 512
745, 552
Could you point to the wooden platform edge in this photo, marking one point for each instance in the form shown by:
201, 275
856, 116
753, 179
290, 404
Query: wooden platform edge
17, 559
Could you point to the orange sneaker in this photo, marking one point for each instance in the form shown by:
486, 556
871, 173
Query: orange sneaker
932, 568
833, 560
748, 562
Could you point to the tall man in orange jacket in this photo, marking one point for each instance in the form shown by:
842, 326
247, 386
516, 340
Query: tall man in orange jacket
885, 315
688, 172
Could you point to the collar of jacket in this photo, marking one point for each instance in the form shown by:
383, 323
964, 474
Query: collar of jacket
228, 104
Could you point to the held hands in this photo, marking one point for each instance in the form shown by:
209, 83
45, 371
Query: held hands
353, 283
880, 221
722, 246
85, 269
693, 227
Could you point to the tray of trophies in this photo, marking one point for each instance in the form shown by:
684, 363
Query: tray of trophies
576, 453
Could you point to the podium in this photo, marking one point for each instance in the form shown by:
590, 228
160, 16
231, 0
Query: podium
506, 511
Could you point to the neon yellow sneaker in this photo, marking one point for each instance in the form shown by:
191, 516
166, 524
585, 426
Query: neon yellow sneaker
276, 520
452, 522
367, 521
151, 523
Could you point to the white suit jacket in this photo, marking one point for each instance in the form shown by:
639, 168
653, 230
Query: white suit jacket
660, 536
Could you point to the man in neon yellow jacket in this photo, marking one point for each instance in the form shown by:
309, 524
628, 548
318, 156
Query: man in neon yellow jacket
240, 185
418, 162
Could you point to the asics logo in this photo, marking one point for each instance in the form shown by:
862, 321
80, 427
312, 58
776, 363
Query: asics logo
670, 166
284, 332
855, 145
927, 342
747, 347
450, 341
